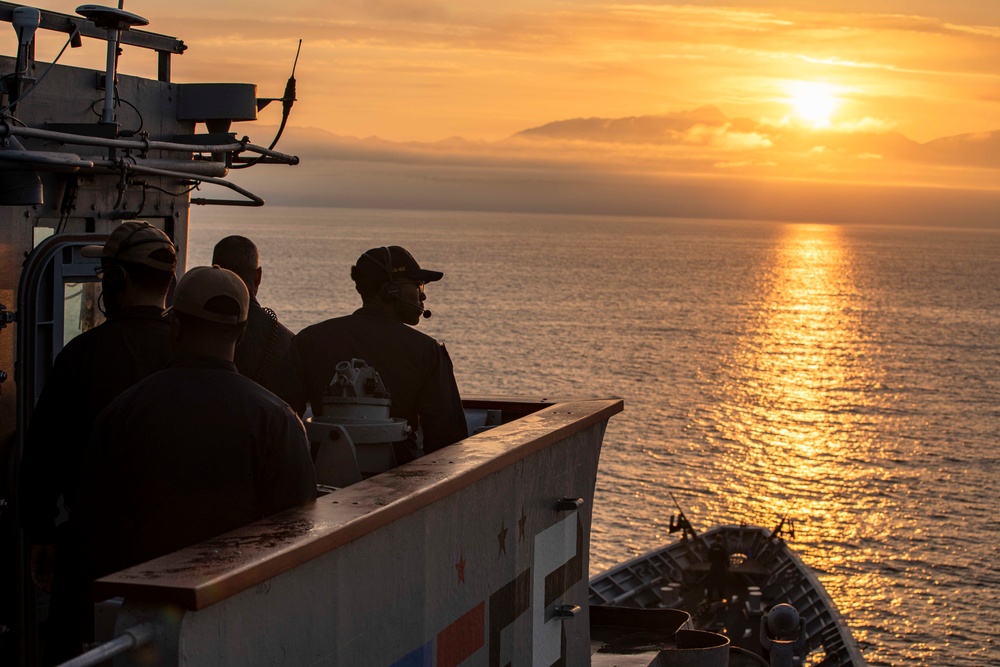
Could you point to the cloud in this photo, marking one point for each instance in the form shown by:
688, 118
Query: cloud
689, 167
425, 69
422, 70
866, 124
587, 191
701, 142
774, 142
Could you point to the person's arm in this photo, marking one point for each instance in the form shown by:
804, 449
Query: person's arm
442, 418
271, 371
287, 477
97, 500
49, 460
290, 380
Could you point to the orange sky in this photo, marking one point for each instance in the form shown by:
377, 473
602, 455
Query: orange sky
413, 71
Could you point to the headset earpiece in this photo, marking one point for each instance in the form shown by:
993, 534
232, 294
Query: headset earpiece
390, 291
115, 278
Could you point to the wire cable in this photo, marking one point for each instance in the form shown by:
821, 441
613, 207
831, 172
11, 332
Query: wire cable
287, 100
33, 86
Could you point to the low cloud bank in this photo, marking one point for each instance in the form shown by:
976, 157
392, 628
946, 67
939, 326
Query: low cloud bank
699, 164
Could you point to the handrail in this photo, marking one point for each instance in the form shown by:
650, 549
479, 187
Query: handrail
131, 639
143, 145
252, 199
7, 129
68, 23
202, 575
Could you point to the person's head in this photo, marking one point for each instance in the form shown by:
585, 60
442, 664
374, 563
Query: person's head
137, 265
389, 278
209, 312
239, 255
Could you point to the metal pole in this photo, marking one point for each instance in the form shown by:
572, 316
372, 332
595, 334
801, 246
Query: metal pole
109, 79
132, 638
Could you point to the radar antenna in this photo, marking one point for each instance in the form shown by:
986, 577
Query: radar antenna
114, 21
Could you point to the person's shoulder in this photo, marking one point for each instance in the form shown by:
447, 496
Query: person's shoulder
251, 391
153, 384
80, 343
323, 328
267, 404
164, 380
257, 312
81, 346
420, 337
146, 323
283, 331
138, 316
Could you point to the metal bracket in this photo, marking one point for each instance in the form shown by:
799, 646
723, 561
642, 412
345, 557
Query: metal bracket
6, 316
565, 612
568, 504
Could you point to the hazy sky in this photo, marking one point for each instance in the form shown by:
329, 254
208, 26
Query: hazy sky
414, 72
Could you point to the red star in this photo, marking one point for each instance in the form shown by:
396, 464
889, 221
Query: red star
460, 566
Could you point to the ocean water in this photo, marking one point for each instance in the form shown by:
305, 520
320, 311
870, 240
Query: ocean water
846, 377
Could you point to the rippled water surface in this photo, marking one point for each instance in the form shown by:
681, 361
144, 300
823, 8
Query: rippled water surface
845, 377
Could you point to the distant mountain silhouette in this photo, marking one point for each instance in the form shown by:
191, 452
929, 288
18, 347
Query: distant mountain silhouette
742, 138
666, 128
982, 149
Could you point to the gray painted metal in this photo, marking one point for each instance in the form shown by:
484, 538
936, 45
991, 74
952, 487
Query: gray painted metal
783, 576
218, 101
696, 649
459, 566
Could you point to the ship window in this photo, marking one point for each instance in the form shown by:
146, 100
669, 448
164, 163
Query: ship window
80, 311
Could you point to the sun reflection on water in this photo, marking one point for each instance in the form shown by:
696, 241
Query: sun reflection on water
797, 411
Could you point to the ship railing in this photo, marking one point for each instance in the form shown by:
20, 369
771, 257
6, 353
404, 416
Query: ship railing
547, 449
142, 145
164, 45
135, 637
200, 171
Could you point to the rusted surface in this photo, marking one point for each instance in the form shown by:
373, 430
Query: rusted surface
206, 573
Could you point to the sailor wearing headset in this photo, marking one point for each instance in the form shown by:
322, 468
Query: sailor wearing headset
415, 368
137, 270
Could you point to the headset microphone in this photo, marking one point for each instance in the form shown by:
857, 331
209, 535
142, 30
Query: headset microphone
423, 311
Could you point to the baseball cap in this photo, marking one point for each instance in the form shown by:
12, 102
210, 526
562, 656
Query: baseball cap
390, 263
212, 293
139, 243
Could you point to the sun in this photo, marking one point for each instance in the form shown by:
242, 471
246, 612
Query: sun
813, 102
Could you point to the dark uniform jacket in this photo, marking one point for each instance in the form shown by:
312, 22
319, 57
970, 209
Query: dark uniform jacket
263, 346
415, 369
91, 370
191, 452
